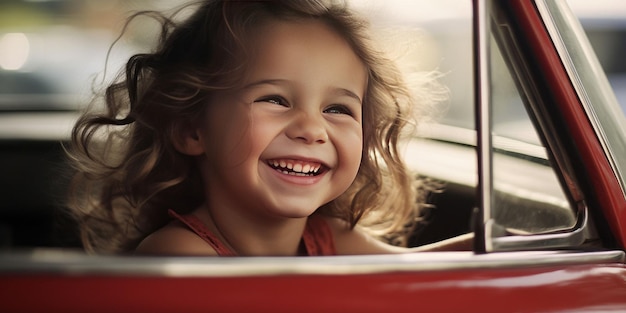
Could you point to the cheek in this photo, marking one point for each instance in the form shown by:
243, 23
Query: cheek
227, 136
356, 151
351, 150
261, 131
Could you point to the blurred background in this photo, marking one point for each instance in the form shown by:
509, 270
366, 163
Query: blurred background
54, 53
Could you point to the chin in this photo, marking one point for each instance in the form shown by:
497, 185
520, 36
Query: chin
299, 213
294, 212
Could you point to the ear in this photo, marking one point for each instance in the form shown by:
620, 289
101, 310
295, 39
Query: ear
186, 139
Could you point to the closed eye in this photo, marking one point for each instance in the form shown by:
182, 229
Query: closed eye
274, 100
339, 109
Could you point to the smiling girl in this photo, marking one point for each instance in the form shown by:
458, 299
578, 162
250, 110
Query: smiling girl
255, 128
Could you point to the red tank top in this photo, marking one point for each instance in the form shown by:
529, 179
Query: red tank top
317, 237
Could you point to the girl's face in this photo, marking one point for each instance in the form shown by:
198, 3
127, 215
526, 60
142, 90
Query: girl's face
291, 139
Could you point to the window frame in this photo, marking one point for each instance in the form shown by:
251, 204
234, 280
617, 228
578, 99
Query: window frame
545, 100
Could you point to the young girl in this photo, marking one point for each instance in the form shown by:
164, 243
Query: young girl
255, 128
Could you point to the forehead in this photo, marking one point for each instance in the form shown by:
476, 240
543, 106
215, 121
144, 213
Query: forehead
293, 29
286, 47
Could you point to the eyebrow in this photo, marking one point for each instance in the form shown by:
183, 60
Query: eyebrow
349, 93
337, 90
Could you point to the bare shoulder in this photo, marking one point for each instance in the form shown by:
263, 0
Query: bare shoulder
174, 239
355, 241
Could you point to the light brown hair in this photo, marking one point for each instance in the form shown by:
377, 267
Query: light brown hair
128, 172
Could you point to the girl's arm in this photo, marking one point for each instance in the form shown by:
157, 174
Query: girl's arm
463, 242
356, 241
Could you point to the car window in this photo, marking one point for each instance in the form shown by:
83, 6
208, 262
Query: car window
595, 88
528, 197
604, 23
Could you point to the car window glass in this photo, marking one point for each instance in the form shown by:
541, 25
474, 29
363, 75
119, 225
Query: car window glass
604, 22
592, 85
528, 196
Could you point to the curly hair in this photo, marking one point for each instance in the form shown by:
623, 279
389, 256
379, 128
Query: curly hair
128, 172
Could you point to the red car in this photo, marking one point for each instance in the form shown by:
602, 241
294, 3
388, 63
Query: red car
540, 180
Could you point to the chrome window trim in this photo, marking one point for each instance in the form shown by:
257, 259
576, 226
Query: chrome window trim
605, 115
490, 236
64, 263
484, 145
508, 240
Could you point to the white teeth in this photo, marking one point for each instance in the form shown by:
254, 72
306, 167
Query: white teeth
293, 173
295, 168
298, 168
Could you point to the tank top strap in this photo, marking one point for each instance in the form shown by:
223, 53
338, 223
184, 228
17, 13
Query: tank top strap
318, 237
196, 225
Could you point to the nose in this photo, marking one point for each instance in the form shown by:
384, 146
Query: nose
308, 128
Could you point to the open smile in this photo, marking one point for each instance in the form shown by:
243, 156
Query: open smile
297, 167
